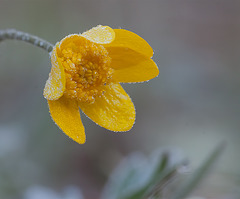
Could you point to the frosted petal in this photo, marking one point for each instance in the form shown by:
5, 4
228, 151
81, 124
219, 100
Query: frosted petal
100, 34
55, 84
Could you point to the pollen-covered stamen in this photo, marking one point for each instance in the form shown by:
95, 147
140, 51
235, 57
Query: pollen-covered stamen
87, 69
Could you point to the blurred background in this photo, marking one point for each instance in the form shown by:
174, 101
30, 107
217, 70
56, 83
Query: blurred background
192, 105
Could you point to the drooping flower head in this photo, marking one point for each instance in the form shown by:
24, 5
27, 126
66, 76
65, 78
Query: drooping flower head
86, 71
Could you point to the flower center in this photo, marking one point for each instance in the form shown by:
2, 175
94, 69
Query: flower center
87, 70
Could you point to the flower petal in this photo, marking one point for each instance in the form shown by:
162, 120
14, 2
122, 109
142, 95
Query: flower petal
131, 66
100, 34
128, 39
65, 113
55, 84
114, 110
69, 42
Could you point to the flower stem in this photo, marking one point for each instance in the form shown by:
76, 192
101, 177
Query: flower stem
23, 36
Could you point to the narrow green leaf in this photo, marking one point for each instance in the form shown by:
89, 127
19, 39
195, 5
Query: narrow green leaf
199, 174
160, 167
164, 172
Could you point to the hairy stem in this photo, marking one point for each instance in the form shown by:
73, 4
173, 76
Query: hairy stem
23, 36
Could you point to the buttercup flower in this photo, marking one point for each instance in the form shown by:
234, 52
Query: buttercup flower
86, 71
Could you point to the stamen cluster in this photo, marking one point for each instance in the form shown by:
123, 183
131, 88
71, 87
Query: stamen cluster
87, 70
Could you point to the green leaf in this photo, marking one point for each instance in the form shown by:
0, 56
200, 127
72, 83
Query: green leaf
138, 176
162, 173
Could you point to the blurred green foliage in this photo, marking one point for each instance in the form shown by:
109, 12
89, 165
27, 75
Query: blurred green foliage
138, 177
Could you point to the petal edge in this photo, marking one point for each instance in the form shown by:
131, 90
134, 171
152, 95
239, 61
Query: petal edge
55, 84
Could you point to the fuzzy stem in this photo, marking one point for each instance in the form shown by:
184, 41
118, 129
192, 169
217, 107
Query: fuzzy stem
18, 35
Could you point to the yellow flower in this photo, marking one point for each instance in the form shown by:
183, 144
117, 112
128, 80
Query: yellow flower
86, 71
